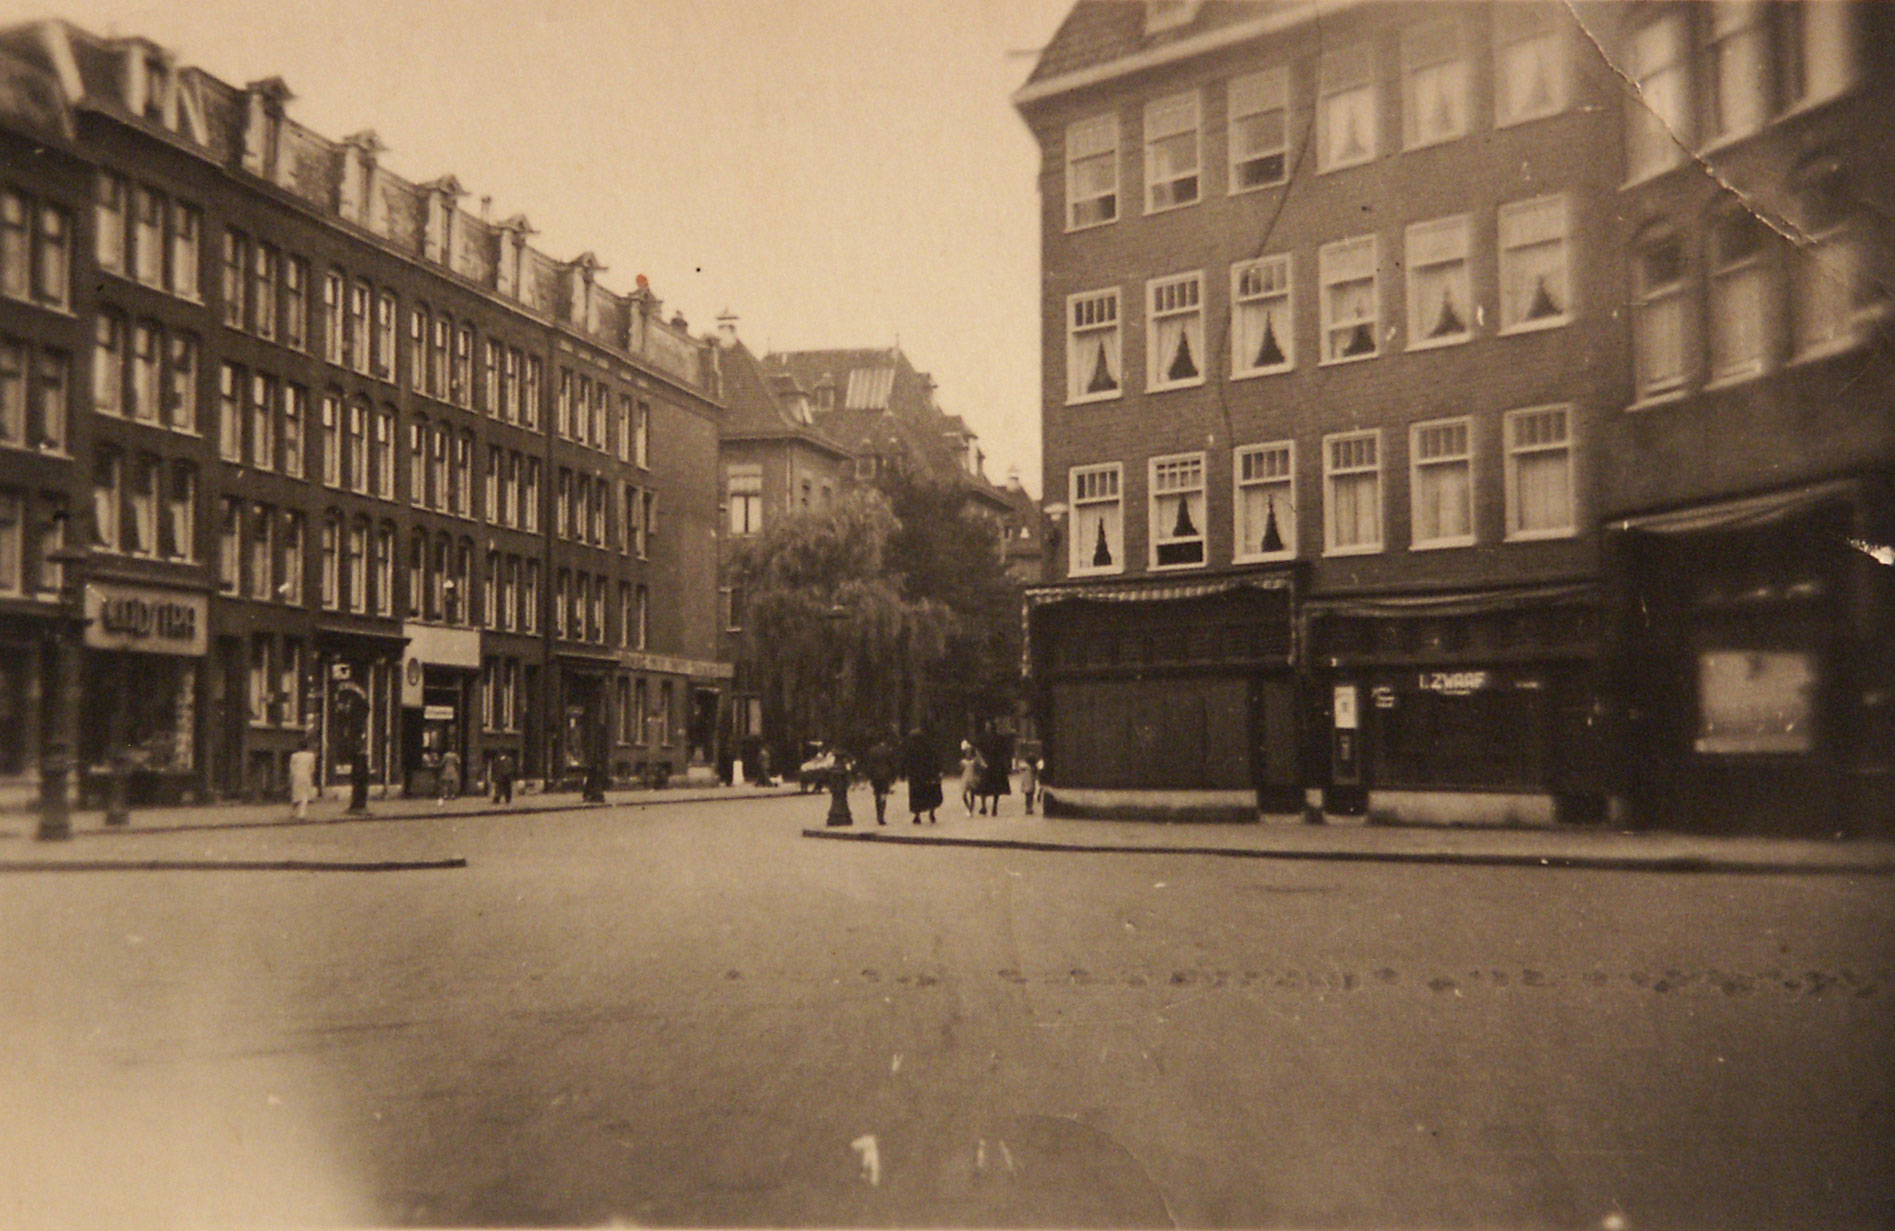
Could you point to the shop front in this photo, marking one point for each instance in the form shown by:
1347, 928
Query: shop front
354, 688
1752, 662
1167, 699
1472, 708
439, 672
145, 650
25, 675
581, 737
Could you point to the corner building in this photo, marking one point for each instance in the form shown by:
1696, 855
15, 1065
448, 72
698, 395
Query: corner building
352, 463
1328, 333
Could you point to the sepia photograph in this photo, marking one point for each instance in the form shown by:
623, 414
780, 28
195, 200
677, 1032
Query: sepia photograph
947, 614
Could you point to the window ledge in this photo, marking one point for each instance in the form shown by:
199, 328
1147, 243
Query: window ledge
56, 309
1237, 190
1517, 120
1280, 370
1095, 572
1173, 386
1651, 401
1441, 544
1430, 142
1347, 359
1274, 558
1539, 536
1540, 326
1175, 568
1089, 226
1730, 141
1151, 210
1365, 550
1735, 379
1439, 343
1828, 350
1345, 166
1642, 178
1081, 401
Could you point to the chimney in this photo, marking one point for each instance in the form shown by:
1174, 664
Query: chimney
1013, 477
727, 329
486, 209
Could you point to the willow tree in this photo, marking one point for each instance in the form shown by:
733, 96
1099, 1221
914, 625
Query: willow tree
842, 653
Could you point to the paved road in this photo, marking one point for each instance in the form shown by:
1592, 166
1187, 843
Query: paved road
691, 1014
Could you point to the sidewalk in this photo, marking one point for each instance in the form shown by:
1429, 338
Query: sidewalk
1360, 842
332, 810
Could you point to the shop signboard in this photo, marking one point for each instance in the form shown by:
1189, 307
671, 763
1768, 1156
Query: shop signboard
430, 645
146, 620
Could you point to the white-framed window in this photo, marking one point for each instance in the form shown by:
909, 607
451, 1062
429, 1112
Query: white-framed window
332, 326
385, 333
355, 552
1540, 500
1441, 483
358, 337
1351, 299
186, 224
1264, 512
1440, 284
1821, 61
1659, 124
382, 455
295, 302
1176, 513
295, 422
1259, 129
148, 211
35, 251
260, 552
1736, 325
1827, 287
177, 532
1535, 264
1737, 69
746, 499
1098, 539
230, 412
1352, 493
357, 466
263, 290
418, 348
331, 433
108, 363
1346, 129
139, 528
1263, 332
1434, 83
229, 542
181, 383
1174, 332
108, 221
331, 558
1094, 352
290, 559
1171, 152
262, 421
147, 371
1092, 172
1531, 63
1658, 314
385, 569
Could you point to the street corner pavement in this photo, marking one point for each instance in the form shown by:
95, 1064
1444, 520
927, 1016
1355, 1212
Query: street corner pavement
1386, 843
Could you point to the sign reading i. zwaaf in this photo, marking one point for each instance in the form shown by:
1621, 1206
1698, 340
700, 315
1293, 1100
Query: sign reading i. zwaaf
146, 620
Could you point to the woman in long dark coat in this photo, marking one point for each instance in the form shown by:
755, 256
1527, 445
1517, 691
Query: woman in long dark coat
923, 771
996, 752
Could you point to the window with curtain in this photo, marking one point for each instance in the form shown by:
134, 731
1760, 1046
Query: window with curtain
1263, 334
1441, 483
1092, 172
1346, 128
1434, 83
1351, 301
1171, 152
1265, 513
1352, 482
1440, 287
1098, 539
1174, 332
1539, 473
1658, 314
177, 530
262, 421
1177, 510
1535, 267
1093, 346
1530, 63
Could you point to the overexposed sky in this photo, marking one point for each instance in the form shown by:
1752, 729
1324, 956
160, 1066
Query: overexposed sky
835, 172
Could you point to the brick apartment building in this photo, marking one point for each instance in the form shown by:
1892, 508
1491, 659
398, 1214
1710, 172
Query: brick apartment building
1340, 394
346, 454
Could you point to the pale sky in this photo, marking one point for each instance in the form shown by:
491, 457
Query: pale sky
835, 172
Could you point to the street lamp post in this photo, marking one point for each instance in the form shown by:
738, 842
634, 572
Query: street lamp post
62, 746
839, 815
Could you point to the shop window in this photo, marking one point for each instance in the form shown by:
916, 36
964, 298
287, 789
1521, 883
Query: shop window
1658, 314
1098, 539
1171, 152
1265, 513
1177, 511
263, 291
1737, 69
1263, 334
1440, 287
1535, 266
1756, 702
108, 363
1658, 123
1441, 483
295, 302
1259, 106
180, 399
1539, 473
1530, 63
1346, 130
1174, 332
1352, 490
1434, 83
1738, 242
1092, 172
1351, 299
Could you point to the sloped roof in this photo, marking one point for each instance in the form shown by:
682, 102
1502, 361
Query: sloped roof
869, 388
752, 409
1100, 31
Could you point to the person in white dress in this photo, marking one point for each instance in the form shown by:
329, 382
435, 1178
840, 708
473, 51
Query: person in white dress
302, 781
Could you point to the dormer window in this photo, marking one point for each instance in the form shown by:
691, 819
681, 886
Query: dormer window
1162, 15
263, 124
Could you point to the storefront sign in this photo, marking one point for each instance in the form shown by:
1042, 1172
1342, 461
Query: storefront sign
148, 621
1452, 683
443, 647
1383, 696
438, 713
1345, 707
696, 668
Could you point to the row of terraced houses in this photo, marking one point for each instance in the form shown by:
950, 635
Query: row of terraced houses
1468, 411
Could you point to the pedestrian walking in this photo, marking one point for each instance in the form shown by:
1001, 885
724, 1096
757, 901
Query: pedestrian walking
450, 775
996, 765
924, 775
302, 780
878, 766
502, 774
1029, 761
970, 775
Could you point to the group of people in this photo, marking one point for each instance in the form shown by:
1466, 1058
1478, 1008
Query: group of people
987, 762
